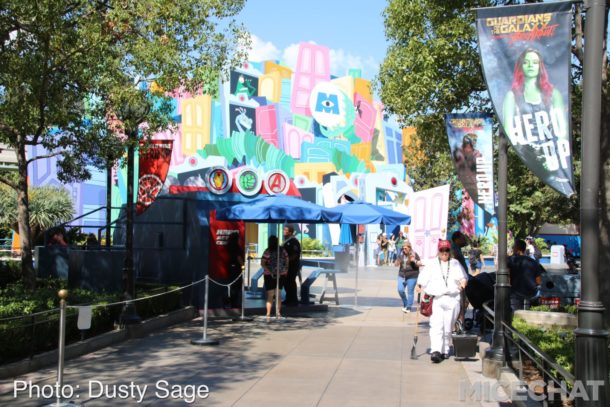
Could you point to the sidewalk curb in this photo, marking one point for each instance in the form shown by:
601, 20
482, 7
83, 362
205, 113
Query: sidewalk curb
16, 369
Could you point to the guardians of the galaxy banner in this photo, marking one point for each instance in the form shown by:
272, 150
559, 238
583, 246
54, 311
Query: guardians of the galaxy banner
470, 141
525, 53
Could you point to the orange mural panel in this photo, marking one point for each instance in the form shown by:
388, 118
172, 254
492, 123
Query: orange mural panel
363, 87
196, 119
270, 86
313, 171
285, 72
412, 151
363, 151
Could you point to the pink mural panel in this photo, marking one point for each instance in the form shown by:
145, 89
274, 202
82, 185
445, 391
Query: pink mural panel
294, 138
365, 118
313, 66
266, 124
428, 210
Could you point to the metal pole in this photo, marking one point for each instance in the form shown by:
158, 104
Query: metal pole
204, 341
357, 269
63, 294
243, 296
108, 201
277, 279
591, 359
129, 314
495, 356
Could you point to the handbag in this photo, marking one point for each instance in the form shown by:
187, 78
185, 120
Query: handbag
425, 306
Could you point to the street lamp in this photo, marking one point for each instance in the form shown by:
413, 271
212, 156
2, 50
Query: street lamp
591, 358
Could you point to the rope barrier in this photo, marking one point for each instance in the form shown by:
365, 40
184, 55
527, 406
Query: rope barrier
142, 298
124, 302
28, 315
227, 285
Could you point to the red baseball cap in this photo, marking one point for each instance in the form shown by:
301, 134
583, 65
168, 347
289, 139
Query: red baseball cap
444, 244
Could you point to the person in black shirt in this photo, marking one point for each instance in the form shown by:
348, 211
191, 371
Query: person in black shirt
525, 278
236, 262
293, 248
409, 263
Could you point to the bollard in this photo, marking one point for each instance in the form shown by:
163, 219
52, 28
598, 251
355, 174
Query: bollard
204, 341
62, 294
243, 317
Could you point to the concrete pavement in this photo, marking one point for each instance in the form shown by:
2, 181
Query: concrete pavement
346, 357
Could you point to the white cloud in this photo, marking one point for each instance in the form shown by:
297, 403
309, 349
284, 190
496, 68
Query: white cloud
263, 50
289, 55
340, 60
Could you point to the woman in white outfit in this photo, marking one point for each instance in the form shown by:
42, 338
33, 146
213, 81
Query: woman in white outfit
443, 278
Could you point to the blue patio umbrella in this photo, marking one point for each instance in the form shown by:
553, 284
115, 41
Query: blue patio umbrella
345, 236
364, 213
278, 209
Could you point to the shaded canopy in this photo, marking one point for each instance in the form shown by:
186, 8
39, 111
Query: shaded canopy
364, 213
279, 209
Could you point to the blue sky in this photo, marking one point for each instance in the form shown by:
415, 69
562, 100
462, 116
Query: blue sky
352, 30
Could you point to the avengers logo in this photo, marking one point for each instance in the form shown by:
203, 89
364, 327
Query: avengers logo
219, 180
248, 181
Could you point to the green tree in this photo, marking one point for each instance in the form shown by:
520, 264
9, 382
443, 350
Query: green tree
68, 65
432, 67
49, 206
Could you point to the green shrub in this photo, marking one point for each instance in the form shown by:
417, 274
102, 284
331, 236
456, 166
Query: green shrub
571, 309
313, 247
26, 336
10, 272
541, 243
558, 344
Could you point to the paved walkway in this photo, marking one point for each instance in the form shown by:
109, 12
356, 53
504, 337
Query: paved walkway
345, 357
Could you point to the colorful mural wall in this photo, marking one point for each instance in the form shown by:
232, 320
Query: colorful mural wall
318, 128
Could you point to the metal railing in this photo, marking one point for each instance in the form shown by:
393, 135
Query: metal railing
549, 370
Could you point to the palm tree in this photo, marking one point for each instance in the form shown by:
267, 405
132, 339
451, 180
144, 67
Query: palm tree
49, 205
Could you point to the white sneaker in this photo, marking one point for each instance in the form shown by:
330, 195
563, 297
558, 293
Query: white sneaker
406, 310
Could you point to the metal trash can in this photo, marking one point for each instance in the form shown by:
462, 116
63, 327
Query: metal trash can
464, 346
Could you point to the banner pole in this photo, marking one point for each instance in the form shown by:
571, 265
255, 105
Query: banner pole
591, 361
494, 359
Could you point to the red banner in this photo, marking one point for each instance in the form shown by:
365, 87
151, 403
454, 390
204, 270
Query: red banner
155, 157
224, 247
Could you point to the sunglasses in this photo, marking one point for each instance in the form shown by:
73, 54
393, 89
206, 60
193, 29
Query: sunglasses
444, 250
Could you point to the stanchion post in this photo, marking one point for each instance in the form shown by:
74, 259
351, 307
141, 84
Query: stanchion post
204, 341
243, 317
63, 294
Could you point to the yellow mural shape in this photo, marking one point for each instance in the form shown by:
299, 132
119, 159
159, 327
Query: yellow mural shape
196, 119
363, 87
313, 171
363, 151
285, 72
270, 86
413, 154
